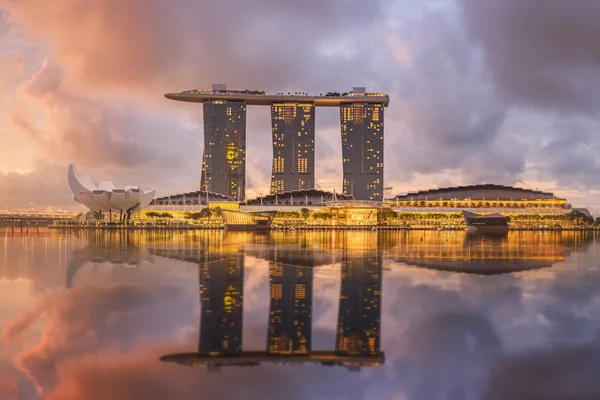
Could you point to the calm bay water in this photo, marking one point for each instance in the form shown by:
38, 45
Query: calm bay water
88, 315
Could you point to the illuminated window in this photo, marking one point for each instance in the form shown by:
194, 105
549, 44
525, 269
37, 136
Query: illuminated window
302, 165
276, 291
300, 291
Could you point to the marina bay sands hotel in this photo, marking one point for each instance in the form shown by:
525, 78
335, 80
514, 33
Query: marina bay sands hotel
293, 128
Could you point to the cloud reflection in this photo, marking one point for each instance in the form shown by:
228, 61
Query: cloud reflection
445, 335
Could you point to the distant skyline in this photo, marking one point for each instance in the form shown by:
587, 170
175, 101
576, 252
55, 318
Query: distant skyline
480, 92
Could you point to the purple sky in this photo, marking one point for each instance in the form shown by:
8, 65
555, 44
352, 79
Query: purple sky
495, 91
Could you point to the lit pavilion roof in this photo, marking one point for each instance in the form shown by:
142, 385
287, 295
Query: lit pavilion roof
476, 192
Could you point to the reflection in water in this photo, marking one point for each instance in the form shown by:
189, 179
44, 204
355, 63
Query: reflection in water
359, 318
446, 335
221, 302
119, 250
484, 254
290, 314
290, 309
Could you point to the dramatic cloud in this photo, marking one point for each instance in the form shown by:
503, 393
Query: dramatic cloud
459, 74
568, 153
561, 373
454, 350
543, 53
115, 318
86, 130
173, 45
141, 376
45, 186
83, 104
444, 334
449, 111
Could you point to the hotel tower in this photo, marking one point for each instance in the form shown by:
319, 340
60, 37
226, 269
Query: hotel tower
293, 147
293, 137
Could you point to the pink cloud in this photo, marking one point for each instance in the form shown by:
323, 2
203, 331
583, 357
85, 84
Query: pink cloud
116, 318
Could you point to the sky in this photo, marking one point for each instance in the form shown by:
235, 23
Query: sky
480, 92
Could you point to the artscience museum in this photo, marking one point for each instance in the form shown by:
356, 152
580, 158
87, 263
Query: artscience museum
106, 197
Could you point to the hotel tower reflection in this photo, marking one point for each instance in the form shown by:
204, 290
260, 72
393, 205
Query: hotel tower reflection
359, 317
221, 299
290, 309
289, 334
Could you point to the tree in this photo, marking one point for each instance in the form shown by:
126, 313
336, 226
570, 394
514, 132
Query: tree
166, 215
216, 212
153, 214
195, 216
305, 213
579, 217
205, 213
386, 215
324, 215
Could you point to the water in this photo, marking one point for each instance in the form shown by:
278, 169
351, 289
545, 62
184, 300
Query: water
88, 315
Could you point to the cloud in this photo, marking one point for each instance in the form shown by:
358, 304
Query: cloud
9, 388
155, 44
99, 104
568, 153
560, 373
115, 318
85, 130
448, 110
140, 375
10, 65
399, 49
541, 53
454, 350
457, 75
444, 335
45, 186
14, 385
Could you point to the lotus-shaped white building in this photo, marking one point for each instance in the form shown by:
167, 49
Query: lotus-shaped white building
105, 197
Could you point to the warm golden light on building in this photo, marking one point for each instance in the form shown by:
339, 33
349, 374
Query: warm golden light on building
224, 158
293, 147
362, 150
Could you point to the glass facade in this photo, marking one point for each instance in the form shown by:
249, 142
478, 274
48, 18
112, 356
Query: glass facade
293, 127
362, 150
224, 159
290, 310
221, 303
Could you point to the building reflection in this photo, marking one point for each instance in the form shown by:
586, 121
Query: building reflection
106, 248
221, 300
290, 309
359, 317
483, 254
289, 334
